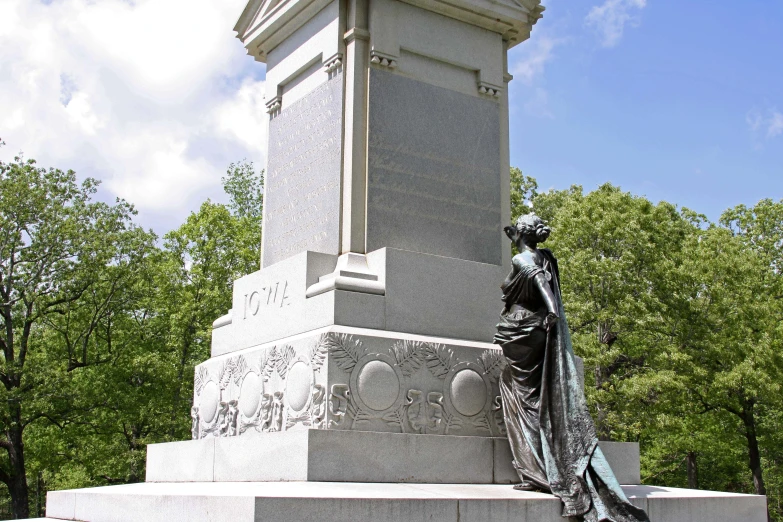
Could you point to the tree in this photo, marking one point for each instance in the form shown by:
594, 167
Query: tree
65, 262
614, 250
142, 395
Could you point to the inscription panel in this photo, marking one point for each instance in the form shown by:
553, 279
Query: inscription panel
302, 198
433, 170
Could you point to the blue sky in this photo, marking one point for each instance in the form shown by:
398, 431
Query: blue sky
680, 101
683, 103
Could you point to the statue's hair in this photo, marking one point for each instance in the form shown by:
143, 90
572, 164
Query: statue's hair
528, 223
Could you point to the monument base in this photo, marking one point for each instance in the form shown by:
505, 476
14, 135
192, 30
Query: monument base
351, 502
354, 456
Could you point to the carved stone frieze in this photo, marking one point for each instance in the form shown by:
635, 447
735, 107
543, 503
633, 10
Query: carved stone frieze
350, 382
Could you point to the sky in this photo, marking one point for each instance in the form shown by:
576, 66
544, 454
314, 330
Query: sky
675, 100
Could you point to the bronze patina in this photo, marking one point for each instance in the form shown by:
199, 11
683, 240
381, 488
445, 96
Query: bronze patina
552, 436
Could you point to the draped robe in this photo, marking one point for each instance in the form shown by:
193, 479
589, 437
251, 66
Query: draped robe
552, 436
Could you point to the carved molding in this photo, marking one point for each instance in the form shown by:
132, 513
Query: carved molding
382, 59
488, 89
334, 63
274, 106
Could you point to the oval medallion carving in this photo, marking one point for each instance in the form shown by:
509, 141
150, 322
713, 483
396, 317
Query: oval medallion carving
208, 401
378, 385
250, 394
468, 392
298, 385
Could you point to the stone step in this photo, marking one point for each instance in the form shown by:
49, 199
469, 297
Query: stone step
351, 502
353, 456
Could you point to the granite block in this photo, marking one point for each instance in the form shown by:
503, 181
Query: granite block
396, 457
190, 461
262, 457
433, 170
302, 185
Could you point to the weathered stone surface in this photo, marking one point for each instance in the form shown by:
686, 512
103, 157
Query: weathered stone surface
271, 304
349, 502
433, 170
302, 186
346, 378
329, 455
188, 461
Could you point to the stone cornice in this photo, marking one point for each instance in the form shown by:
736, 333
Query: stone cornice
264, 24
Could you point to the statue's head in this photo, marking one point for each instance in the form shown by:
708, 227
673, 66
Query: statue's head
529, 226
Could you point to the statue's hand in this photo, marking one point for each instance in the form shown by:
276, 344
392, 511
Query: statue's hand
551, 320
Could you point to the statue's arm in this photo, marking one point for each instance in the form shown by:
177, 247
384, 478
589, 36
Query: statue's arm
549, 300
513, 273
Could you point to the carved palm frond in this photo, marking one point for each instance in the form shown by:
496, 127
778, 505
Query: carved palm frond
239, 368
285, 355
200, 380
453, 423
268, 362
492, 363
408, 355
358, 415
439, 359
225, 374
345, 350
395, 418
483, 423
318, 352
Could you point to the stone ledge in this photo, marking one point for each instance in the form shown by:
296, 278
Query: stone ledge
353, 456
349, 502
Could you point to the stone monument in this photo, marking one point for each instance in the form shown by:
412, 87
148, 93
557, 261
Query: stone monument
354, 376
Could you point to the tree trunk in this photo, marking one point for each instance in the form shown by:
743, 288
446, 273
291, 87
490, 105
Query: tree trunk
600, 417
693, 470
17, 483
754, 455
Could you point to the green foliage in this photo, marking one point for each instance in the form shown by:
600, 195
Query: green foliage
68, 267
101, 327
245, 188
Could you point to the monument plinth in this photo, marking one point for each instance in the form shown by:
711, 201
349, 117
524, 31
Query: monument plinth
358, 358
386, 192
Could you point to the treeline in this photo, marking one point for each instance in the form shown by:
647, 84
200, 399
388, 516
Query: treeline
680, 323
102, 322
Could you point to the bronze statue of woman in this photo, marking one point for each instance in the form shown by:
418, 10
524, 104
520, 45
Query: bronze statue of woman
552, 436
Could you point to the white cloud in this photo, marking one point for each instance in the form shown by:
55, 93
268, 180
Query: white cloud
770, 123
155, 97
536, 53
528, 68
610, 18
775, 124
